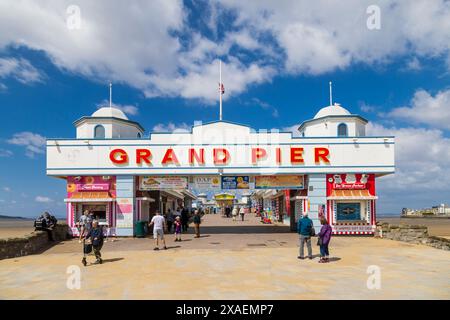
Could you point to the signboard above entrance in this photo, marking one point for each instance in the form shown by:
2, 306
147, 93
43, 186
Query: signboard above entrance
235, 182
156, 183
279, 182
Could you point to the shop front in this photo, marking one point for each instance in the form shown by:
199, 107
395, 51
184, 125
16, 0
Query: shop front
122, 177
96, 194
351, 203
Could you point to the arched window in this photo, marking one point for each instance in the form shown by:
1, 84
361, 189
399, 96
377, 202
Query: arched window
342, 130
99, 132
139, 135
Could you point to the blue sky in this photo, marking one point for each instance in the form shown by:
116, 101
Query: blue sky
162, 57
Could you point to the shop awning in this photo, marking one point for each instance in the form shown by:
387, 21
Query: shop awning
90, 197
300, 195
173, 193
351, 195
149, 199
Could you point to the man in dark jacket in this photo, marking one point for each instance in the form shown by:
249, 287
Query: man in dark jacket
96, 236
304, 229
184, 219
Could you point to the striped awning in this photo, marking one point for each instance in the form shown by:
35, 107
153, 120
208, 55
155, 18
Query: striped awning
351, 195
90, 197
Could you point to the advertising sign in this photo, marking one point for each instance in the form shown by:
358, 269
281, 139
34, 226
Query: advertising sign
206, 182
361, 181
235, 182
156, 183
279, 182
90, 183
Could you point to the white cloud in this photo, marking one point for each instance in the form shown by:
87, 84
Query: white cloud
6, 189
421, 157
20, 69
127, 108
426, 109
42, 199
172, 127
413, 65
152, 46
34, 143
4, 153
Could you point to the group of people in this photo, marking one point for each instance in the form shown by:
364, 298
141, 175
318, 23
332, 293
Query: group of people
179, 222
181, 215
92, 233
239, 211
306, 230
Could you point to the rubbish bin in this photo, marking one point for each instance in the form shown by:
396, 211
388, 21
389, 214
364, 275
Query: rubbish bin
139, 230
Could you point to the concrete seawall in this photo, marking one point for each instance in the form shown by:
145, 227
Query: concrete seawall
417, 234
35, 242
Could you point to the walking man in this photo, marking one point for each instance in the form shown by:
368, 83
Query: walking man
95, 234
197, 220
184, 219
159, 225
305, 229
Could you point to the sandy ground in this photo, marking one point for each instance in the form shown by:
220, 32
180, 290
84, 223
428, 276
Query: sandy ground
228, 262
436, 227
12, 228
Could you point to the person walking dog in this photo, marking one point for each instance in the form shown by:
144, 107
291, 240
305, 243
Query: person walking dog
305, 229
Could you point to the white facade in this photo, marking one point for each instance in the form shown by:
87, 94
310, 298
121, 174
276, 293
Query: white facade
112, 121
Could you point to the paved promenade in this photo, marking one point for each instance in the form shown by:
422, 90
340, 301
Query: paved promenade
232, 260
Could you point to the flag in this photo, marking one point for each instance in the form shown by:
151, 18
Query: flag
221, 88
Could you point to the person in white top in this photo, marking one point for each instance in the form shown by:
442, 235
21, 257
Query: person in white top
234, 213
159, 225
242, 212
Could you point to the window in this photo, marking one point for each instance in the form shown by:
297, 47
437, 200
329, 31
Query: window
139, 135
342, 130
99, 132
348, 211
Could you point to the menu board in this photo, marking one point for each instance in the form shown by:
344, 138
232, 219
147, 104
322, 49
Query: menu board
279, 182
156, 183
235, 182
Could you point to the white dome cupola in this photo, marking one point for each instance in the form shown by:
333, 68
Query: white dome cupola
108, 122
334, 121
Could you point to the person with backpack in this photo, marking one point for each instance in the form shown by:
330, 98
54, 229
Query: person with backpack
324, 240
305, 229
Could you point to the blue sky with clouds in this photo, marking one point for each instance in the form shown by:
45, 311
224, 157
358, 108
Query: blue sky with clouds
278, 56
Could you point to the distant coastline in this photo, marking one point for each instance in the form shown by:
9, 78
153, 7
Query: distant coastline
14, 218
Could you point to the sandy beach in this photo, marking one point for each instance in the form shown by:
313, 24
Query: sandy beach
436, 226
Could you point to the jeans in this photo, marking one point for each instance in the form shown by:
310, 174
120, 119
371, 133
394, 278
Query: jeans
324, 250
306, 239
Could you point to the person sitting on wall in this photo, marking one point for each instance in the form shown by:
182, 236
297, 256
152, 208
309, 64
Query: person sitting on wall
46, 222
95, 234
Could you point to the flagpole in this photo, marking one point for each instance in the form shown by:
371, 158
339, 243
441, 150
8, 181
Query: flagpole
331, 94
220, 89
110, 94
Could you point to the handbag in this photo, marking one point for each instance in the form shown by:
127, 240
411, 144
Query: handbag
87, 248
319, 241
312, 231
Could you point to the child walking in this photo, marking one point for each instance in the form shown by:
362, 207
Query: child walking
177, 225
